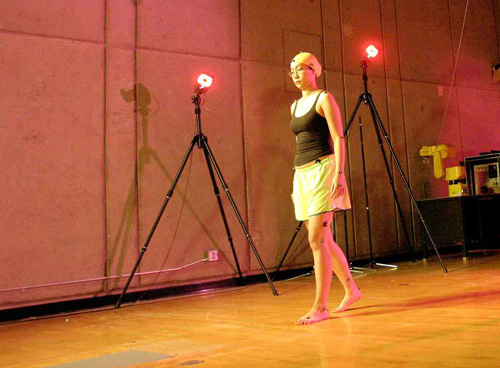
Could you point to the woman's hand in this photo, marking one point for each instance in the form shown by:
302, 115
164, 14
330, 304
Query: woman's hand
338, 185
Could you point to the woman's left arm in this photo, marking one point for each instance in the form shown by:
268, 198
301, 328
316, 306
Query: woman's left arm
331, 112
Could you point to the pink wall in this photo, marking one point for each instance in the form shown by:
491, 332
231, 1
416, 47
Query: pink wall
73, 206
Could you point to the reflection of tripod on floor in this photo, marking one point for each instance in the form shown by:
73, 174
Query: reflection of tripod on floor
202, 142
366, 98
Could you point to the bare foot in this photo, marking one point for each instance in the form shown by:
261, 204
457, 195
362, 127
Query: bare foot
313, 316
349, 299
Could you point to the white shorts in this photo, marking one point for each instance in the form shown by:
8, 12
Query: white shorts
311, 190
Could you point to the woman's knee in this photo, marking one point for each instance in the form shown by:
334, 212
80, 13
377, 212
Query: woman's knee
318, 240
319, 231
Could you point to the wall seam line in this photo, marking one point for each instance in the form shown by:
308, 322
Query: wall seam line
344, 74
244, 140
106, 147
408, 176
137, 158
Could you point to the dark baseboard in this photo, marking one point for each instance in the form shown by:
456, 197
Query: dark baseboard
108, 301
99, 302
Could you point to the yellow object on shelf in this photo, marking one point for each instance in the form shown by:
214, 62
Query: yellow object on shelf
455, 176
455, 173
439, 153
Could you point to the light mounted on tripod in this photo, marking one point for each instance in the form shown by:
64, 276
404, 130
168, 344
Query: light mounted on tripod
371, 52
200, 140
204, 83
366, 98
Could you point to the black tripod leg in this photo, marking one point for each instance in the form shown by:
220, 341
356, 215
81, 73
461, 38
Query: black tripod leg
297, 229
233, 204
346, 132
367, 203
346, 239
407, 185
374, 114
151, 232
351, 119
221, 208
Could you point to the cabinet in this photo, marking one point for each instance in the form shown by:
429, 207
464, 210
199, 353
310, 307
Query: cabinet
472, 221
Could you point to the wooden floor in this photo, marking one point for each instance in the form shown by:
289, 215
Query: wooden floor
415, 316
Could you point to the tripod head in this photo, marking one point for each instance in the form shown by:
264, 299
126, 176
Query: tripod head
204, 83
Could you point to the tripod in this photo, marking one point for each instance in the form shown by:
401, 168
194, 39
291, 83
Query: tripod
366, 98
367, 203
202, 142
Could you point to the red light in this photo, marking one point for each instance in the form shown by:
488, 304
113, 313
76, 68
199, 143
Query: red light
371, 51
204, 81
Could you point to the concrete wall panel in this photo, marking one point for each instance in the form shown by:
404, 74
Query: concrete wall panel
390, 39
361, 27
332, 35
396, 126
478, 50
496, 12
208, 27
425, 41
303, 16
121, 23
123, 156
262, 30
52, 114
70, 19
480, 125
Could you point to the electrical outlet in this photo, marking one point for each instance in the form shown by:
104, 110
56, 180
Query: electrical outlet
213, 255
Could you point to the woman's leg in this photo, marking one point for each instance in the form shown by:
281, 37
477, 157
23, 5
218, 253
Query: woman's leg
343, 273
319, 238
327, 255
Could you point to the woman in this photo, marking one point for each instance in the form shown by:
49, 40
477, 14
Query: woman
319, 185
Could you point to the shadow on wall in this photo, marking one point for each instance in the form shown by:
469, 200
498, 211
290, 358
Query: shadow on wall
141, 96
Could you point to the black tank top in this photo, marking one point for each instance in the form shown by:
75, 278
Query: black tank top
313, 135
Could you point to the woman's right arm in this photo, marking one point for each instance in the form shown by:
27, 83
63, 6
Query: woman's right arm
292, 107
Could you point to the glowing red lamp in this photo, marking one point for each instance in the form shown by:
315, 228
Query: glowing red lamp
371, 51
204, 81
